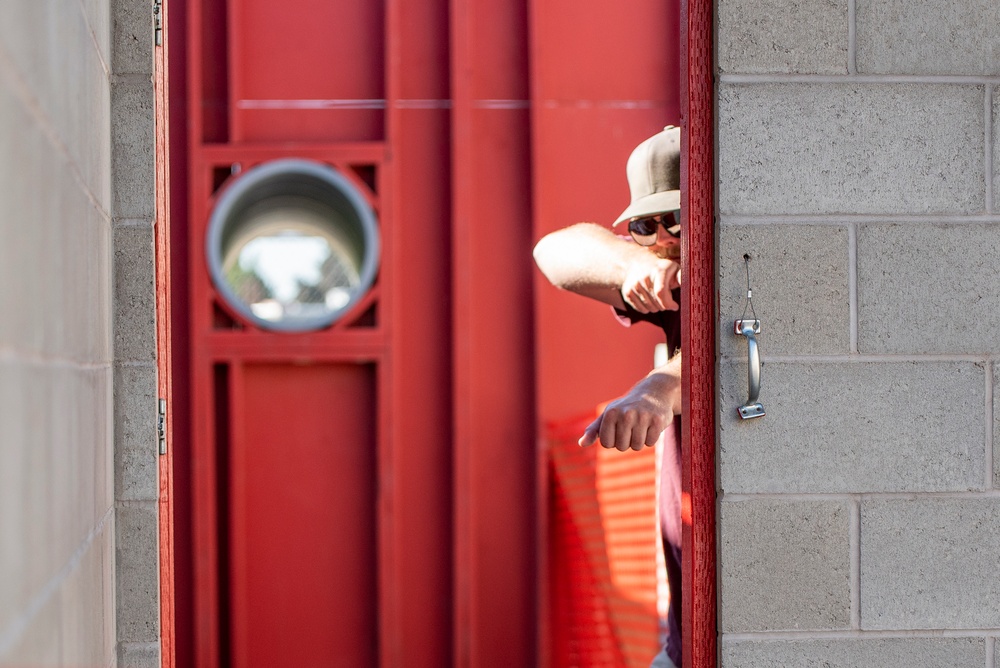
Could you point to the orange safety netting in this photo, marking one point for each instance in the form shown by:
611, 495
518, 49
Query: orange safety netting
603, 544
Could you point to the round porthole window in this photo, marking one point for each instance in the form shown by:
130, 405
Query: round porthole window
292, 245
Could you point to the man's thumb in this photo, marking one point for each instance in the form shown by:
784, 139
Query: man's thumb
590, 434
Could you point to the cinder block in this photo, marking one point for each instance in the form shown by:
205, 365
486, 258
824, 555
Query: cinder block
139, 655
16, 524
996, 150
28, 509
800, 36
55, 54
26, 196
854, 427
78, 320
80, 454
784, 565
21, 24
80, 100
866, 148
50, 229
996, 427
95, 295
133, 159
928, 288
82, 611
930, 563
136, 444
138, 570
101, 417
135, 294
133, 37
109, 631
33, 644
92, 126
799, 278
855, 653
98, 18
900, 37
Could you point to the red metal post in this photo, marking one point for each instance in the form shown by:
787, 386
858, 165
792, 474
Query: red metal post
698, 340
418, 583
494, 421
163, 345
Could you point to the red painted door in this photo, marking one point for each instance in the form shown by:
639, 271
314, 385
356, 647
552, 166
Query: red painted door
302, 528
320, 515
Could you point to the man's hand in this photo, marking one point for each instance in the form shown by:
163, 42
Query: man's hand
647, 286
637, 419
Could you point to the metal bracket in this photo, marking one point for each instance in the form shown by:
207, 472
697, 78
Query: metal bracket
752, 408
161, 426
158, 22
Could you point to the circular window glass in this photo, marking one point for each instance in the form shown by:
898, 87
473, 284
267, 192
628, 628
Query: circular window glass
292, 246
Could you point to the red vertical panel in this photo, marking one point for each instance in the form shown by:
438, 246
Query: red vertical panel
418, 613
306, 70
698, 341
178, 424
494, 422
302, 521
206, 83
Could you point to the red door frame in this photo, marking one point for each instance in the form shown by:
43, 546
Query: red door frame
698, 249
162, 232
699, 300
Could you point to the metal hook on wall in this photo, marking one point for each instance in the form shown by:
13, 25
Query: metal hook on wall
750, 328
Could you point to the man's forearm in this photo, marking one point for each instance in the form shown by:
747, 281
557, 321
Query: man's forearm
589, 260
665, 381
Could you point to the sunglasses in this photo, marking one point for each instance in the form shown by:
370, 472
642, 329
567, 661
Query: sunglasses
643, 230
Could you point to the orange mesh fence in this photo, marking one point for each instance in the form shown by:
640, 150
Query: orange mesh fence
602, 552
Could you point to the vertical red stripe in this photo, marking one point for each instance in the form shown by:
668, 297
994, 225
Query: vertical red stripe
698, 338
494, 443
163, 339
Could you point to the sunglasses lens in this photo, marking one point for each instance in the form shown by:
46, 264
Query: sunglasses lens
643, 231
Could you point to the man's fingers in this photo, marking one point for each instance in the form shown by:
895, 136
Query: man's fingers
590, 433
608, 432
653, 433
638, 436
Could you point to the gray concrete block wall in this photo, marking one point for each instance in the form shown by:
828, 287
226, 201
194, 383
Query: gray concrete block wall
136, 445
806, 584
857, 165
854, 652
57, 585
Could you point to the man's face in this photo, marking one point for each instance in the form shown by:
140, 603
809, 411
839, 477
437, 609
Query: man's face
659, 233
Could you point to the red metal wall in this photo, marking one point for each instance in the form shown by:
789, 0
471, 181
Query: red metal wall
474, 127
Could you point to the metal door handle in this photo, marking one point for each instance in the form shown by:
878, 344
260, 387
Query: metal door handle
752, 408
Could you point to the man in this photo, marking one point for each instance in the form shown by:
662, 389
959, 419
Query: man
640, 277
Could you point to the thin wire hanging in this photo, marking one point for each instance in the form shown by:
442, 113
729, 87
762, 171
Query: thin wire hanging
749, 302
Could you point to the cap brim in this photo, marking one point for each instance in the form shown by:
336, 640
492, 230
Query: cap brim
668, 200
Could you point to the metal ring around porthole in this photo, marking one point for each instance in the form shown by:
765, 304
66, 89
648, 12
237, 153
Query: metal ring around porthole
292, 245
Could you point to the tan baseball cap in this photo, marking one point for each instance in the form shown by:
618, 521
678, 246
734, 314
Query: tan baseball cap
654, 175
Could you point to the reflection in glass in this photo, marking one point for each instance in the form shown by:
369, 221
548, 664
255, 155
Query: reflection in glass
292, 246
290, 264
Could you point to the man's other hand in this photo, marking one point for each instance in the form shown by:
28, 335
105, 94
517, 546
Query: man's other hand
648, 285
637, 419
